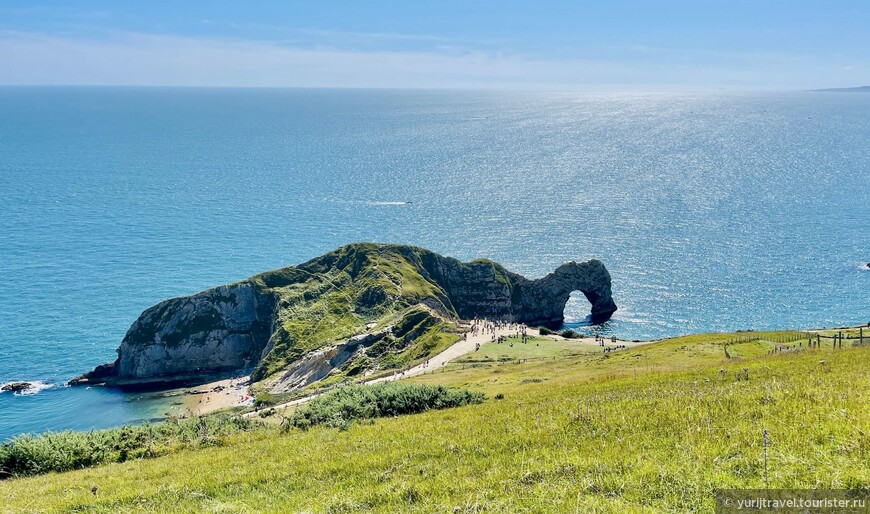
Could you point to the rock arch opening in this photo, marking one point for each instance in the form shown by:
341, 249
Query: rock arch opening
543, 301
577, 309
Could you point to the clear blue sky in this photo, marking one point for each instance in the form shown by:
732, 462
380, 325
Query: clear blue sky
615, 45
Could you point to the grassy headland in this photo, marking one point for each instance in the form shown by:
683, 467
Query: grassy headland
646, 429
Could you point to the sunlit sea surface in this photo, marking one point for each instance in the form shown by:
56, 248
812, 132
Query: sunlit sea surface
711, 211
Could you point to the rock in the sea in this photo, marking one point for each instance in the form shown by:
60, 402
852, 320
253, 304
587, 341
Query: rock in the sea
16, 386
274, 320
98, 375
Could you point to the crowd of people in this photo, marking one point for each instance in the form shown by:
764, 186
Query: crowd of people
483, 327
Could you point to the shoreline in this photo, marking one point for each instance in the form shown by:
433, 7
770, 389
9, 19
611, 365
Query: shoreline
226, 393
232, 392
221, 394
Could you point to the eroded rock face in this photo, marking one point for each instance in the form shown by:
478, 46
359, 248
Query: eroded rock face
318, 365
542, 302
486, 290
237, 326
221, 329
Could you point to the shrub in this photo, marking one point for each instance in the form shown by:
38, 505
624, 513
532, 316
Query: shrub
264, 399
346, 404
544, 331
64, 451
570, 334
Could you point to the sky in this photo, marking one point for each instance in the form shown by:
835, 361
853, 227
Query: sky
507, 44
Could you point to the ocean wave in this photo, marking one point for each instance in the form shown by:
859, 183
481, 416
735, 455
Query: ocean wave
387, 203
35, 387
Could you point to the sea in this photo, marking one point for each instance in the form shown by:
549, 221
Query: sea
712, 211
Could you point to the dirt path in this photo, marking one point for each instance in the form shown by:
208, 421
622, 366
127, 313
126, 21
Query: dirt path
484, 334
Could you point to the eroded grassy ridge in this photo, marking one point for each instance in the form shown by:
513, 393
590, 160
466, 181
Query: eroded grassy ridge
589, 436
335, 296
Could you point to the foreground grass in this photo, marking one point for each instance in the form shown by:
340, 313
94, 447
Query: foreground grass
65, 451
647, 429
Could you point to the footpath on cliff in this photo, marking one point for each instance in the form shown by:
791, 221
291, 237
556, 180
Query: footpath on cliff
479, 333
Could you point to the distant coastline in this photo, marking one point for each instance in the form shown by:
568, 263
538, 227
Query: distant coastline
859, 89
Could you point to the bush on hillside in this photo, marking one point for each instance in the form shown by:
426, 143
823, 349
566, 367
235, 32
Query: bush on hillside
570, 334
264, 399
544, 331
341, 407
64, 451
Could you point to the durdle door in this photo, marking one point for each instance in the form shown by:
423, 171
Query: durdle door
267, 322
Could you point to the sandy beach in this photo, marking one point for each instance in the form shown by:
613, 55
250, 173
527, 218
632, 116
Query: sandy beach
213, 396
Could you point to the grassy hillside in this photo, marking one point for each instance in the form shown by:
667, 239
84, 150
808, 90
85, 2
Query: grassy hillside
646, 429
336, 295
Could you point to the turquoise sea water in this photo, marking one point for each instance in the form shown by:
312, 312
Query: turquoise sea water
712, 212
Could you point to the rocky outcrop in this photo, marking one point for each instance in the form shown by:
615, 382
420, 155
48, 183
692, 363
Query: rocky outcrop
16, 387
294, 320
542, 302
318, 365
218, 330
485, 289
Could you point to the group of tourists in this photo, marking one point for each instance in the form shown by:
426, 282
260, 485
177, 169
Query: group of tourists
485, 326
602, 341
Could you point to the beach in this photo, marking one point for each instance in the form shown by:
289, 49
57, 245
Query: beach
217, 395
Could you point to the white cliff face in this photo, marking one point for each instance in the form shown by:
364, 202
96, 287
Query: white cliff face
220, 329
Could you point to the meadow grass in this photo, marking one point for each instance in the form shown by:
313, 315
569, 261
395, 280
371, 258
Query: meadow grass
534, 348
647, 429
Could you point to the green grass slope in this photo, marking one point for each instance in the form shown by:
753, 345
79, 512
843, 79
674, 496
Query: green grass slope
335, 296
648, 429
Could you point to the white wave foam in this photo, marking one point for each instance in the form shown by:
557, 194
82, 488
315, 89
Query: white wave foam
388, 203
35, 387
